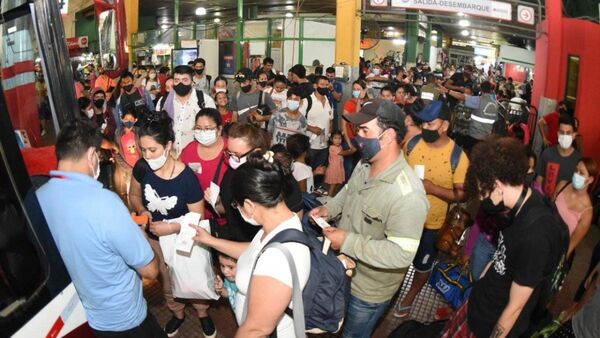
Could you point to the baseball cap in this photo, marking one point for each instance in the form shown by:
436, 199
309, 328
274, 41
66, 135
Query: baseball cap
435, 110
243, 75
376, 108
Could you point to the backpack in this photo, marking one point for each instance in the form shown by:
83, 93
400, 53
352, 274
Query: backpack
308, 106
322, 305
454, 157
415, 329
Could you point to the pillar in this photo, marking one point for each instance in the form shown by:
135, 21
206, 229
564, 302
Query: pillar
347, 32
176, 26
132, 15
239, 35
427, 45
412, 39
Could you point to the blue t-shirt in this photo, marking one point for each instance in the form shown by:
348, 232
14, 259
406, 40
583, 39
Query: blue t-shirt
337, 87
167, 199
101, 247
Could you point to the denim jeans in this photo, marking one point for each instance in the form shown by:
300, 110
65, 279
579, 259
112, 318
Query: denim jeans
483, 252
362, 317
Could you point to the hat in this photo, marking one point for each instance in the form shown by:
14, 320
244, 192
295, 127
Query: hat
243, 75
376, 108
434, 110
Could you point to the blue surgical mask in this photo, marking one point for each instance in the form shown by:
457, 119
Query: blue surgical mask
369, 147
128, 124
356, 94
293, 105
578, 181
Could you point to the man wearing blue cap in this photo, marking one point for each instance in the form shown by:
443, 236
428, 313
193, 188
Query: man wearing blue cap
442, 165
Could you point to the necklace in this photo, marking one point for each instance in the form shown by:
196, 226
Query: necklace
173, 170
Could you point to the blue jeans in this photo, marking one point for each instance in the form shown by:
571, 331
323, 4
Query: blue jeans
362, 317
483, 252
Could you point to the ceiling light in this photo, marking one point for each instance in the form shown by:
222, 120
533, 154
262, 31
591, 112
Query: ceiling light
434, 32
460, 14
289, 15
434, 38
217, 13
163, 26
290, 8
399, 41
200, 11
217, 20
390, 27
464, 23
464, 32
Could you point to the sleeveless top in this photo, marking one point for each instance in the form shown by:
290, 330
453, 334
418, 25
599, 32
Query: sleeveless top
570, 217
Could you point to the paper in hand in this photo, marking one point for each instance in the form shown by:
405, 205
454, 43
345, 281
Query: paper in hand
214, 196
321, 222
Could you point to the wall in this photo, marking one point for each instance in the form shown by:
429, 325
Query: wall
69, 19
381, 49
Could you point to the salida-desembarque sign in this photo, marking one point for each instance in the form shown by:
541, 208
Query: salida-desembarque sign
485, 8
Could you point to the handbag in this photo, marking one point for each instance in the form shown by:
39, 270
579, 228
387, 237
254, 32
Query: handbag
452, 281
451, 232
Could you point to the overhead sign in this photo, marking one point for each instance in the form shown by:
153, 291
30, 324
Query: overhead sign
526, 15
485, 8
379, 3
77, 43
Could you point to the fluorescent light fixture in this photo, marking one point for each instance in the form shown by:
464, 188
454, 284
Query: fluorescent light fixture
217, 13
217, 20
289, 15
464, 32
464, 23
164, 27
434, 38
290, 7
399, 41
390, 28
200, 11
460, 14
12, 29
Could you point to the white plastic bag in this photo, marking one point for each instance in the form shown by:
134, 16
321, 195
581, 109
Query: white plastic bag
192, 276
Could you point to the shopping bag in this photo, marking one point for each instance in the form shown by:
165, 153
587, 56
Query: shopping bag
453, 282
191, 273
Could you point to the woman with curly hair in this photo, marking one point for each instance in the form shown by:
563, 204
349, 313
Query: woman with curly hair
530, 245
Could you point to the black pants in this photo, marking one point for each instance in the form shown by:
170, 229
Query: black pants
149, 328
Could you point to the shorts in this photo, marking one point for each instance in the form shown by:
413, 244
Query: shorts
427, 252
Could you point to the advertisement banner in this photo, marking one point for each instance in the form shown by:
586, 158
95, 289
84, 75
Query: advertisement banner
485, 8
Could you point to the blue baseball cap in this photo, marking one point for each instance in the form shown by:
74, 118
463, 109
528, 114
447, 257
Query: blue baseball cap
434, 110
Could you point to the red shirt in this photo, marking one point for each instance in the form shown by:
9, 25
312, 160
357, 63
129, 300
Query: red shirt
350, 107
205, 172
227, 118
552, 124
129, 149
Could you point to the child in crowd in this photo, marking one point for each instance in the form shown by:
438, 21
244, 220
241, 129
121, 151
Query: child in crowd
226, 286
127, 153
279, 92
227, 116
335, 174
298, 146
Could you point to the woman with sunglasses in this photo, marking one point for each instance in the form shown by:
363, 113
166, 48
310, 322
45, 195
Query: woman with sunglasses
244, 139
259, 199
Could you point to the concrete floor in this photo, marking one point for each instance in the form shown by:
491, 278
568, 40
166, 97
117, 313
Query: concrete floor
424, 309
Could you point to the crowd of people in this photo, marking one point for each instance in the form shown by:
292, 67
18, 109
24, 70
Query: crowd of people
269, 154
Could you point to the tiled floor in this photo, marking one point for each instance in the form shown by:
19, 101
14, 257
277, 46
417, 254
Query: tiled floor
424, 308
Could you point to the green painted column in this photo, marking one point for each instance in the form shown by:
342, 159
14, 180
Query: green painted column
301, 41
194, 30
412, 35
440, 40
270, 36
427, 44
176, 26
239, 34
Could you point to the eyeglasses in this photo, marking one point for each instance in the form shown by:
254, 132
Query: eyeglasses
205, 129
236, 157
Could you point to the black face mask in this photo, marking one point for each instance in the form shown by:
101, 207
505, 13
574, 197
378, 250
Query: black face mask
430, 136
322, 91
246, 88
99, 103
199, 71
490, 208
181, 89
128, 88
263, 83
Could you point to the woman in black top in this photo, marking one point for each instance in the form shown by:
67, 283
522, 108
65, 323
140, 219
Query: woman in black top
164, 188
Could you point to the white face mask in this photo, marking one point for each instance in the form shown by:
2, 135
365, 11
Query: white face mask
89, 113
96, 173
220, 90
235, 164
376, 71
565, 141
205, 137
578, 181
158, 162
248, 220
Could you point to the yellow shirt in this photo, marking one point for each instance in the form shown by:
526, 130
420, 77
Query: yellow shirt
438, 170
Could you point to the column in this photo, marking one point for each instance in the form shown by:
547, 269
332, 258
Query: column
412, 36
239, 35
176, 26
347, 33
427, 45
131, 18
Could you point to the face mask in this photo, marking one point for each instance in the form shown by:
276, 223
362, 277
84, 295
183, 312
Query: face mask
263, 83
430, 136
199, 71
369, 147
128, 124
89, 113
205, 137
578, 181
565, 141
293, 105
356, 94
181, 89
248, 220
376, 71
246, 88
99, 103
128, 88
159, 162
322, 91
96, 173
235, 164
220, 90
490, 208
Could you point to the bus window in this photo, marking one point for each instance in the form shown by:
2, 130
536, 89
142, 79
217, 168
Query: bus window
24, 84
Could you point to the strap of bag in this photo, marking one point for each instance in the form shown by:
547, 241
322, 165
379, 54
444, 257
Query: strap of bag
200, 96
308, 105
218, 172
412, 143
298, 311
455, 157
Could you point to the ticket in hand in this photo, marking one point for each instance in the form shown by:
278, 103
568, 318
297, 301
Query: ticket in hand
321, 222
